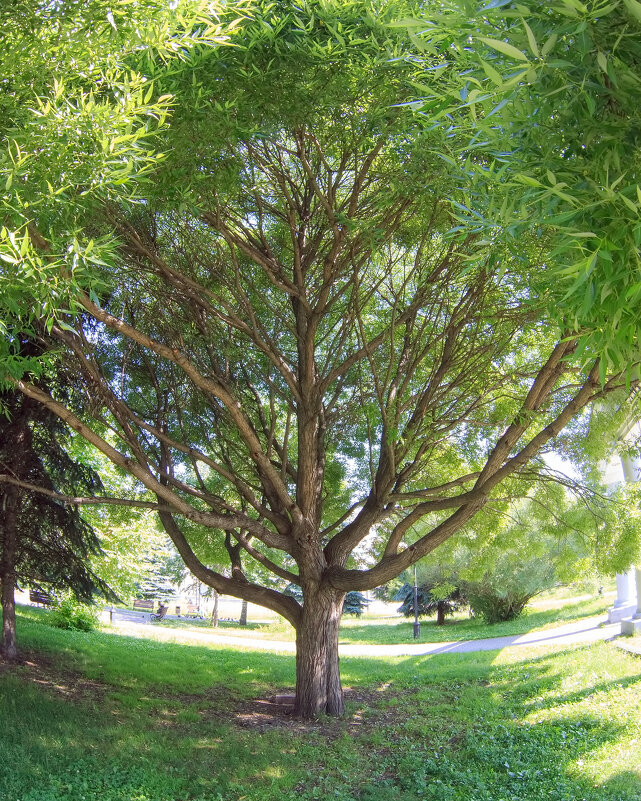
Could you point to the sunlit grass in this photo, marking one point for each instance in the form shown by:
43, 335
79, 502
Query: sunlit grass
393, 629
100, 717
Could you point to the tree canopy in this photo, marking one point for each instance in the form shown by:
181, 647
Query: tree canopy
310, 297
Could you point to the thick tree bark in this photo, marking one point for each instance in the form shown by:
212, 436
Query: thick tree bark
318, 683
440, 613
8, 577
243, 614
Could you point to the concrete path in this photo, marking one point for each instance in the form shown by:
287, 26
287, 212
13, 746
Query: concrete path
587, 630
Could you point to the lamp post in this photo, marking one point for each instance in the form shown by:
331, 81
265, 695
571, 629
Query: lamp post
417, 625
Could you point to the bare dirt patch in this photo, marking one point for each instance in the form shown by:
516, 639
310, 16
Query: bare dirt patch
364, 712
43, 670
365, 709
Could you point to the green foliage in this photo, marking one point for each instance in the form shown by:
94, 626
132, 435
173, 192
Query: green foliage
54, 542
496, 604
432, 599
551, 100
69, 613
517, 549
355, 603
159, 570
90, 85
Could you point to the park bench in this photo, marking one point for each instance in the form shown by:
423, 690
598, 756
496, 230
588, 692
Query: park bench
142, 612
147, 606
193, 610
40, 598
127, 615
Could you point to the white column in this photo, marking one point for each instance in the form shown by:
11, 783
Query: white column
627, 588
633, 626
630, 468
632, 472
624, 589
637, 578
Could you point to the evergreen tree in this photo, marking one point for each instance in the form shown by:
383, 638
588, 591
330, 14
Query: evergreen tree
44, 543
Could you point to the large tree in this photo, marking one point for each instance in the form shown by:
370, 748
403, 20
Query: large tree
283, 331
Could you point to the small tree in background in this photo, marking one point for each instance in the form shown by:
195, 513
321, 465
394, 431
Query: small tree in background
161, 570
438, 593
355, 603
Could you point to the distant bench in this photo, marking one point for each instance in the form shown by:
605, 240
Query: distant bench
143, 612
147, 606
40, 598
193, 610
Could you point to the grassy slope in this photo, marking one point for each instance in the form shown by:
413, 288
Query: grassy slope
399, 630
99, 717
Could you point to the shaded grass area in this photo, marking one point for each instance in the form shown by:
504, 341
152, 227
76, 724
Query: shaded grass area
107, 717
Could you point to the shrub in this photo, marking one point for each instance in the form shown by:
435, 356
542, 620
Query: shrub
494, 606
69, 613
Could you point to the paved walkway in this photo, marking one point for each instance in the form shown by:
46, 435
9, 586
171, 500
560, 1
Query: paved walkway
591, 629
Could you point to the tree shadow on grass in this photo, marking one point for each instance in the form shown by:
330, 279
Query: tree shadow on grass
469, 734
168, 727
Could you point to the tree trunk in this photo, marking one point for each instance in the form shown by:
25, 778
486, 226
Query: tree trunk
440, 613
214, 612
318, 683
243, 614
8, 577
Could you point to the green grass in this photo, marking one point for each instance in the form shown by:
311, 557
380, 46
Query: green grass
394, 630
100, 717
462, 627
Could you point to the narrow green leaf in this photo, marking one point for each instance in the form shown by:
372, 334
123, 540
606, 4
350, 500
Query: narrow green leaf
547, 47
407, 22
504, 47
491, 73
630, 204
634, 8
531, 40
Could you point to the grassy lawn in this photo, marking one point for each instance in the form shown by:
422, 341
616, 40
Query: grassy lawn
393, 630
99, 717
462, 627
